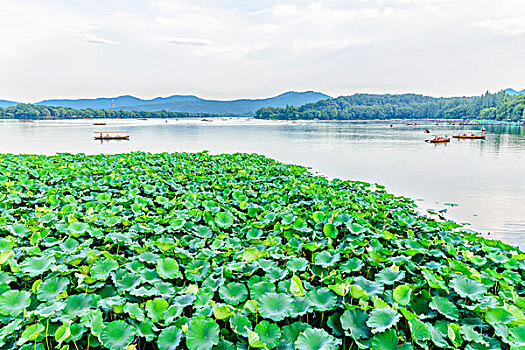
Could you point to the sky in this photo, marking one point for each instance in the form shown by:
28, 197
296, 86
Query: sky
229, 49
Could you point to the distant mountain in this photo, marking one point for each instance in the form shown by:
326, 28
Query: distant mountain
117, 102
514, 92
4, 103
190, 103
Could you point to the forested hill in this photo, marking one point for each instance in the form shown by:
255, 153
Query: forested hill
29, 111
499, 106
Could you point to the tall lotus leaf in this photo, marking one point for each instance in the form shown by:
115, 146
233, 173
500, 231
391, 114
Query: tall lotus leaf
330, 230
316, 339
275, 306
168, 268
355, 228
352, 265
385, 340
388, 276
468, 288
233, 293
517, 336
370, 287
269, 333
239, 323
117, 335
296, 286
224, 220
322, 299
30, 334
156, 308
469, 334
498, 315
420, 331
102, 268
301, 305
78, 304
402, 294
326, 259
169, 338
14, 302
354, 321
292, 331
202, 334
36, 266
382, 319
51, 287
444, 307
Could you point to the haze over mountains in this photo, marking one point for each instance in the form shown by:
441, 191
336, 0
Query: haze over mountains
190, 103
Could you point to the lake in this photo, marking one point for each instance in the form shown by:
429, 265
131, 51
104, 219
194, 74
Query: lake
485, 178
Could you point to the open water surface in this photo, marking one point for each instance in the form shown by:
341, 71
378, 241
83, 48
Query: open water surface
486, 178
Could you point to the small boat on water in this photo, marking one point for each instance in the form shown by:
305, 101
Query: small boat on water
26, 120
469, 137
427, 131
483, 129
409, 123
106, 135
440, 139
99, 123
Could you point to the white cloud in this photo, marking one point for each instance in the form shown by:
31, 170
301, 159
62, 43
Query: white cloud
190, 41
84, 34
505, 26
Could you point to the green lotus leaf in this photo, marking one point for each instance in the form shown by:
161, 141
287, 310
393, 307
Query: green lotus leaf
30, 334
370, 287
78, 227
233, 293
352, 265
355, 228
36, 266
124, 280
102, 268
420, 331
322, 299
257, 290
517, 336
168, 268
301, 305
79, 304
269, 333
469, 334
275, 306
402, 294
316, 339
326, 259
444, 307
224, 220
386, 340
156, 309
388, 276
202, 334
291, 332
169, 338
149, 276
148, 257
117, 335
468, 288
274, 274
14, 302
297, 264
252, 254
382, 319
239, 323
51, 288
354, 321
69, 245
197, 270
20, 230
498, 315
330, 230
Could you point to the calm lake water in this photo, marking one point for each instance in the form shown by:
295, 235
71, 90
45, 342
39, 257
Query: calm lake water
486, 178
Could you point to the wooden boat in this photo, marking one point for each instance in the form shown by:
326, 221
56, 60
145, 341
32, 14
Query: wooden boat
469, 137
99, 123
106, 135
439, 140
26, 120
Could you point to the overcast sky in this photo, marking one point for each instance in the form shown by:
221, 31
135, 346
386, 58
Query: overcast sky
226, 49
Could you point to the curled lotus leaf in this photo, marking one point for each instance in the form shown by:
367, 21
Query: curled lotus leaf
51, 288
468, 288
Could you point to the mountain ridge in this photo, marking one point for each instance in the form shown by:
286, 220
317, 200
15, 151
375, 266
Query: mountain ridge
514, 92
5, 103
189, 103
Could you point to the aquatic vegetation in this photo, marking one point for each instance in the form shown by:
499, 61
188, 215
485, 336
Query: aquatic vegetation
203, 251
